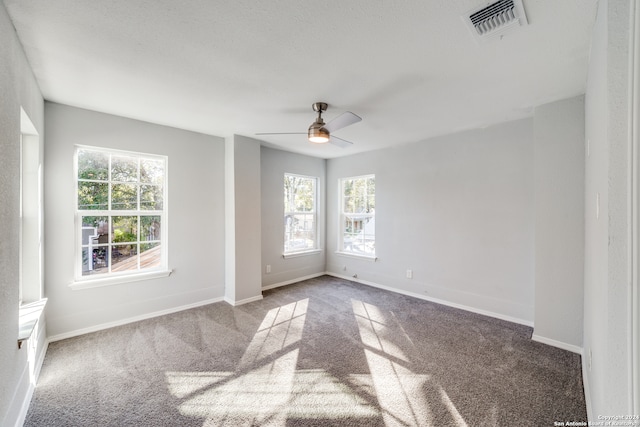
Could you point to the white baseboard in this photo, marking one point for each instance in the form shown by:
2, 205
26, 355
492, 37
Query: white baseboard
242, 301
563, 345
290, 282
22, 416
25, 400
437, 301
133, 319
17, 411
569, 347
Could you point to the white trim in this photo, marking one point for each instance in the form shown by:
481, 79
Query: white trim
292, 281
301, 253
21, 414
26, 124
133, 319
437, 301
554, 343
587, 389
111, 212
242, 301
342, 214
357, 256
634, 210
118, 280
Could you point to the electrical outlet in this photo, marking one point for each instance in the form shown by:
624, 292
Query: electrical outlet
268, 269
409, 274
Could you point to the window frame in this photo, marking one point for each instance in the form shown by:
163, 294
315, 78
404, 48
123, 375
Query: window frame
140, 273
316, 241
342, 216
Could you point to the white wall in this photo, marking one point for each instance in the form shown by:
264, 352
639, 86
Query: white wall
559, 222
242, 222
195, 214
18, 88
458, 210
274, 164
607, 325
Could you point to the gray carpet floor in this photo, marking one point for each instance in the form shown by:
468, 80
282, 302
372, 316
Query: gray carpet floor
323, 352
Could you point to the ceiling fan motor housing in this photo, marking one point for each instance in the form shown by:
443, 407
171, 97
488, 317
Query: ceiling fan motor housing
317, 133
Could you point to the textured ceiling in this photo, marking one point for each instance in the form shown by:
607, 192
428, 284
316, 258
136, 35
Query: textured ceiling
409, 68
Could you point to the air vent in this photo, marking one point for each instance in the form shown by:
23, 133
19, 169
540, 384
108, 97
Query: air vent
495, 20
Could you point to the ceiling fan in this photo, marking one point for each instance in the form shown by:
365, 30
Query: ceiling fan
320, 132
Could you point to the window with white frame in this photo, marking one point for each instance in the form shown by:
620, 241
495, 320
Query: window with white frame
121, 219
300, 216
357, 216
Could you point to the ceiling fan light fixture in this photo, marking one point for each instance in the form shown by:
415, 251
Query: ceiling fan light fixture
318, 134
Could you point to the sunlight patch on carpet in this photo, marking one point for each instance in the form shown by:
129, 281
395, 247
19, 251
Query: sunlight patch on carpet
400, 391
457, 418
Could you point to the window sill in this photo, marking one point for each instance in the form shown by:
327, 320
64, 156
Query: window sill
301, 253
29, 316
117, 280
371, 258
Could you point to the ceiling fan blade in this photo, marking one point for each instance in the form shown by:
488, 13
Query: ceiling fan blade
343, 120
343, 143
281, 133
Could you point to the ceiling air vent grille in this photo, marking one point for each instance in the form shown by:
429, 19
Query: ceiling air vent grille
496, 19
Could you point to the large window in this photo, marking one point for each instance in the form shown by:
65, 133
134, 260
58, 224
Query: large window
121, 213
357, 216
300, 218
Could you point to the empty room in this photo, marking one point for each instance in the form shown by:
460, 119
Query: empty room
292, 213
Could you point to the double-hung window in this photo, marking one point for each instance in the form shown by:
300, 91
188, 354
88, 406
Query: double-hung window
357, 216
121, 215
300, 214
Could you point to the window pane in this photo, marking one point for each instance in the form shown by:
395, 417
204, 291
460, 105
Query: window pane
300, 232
299, 194
151, 197
124, 169
347, 187
93, 165
150, 255
93, 195
124, 258
371, 205
359, 235
124, 197
149, 228
371, 186
94, 260
95, 230
304, 197
125, 229
151, 171
349, 205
